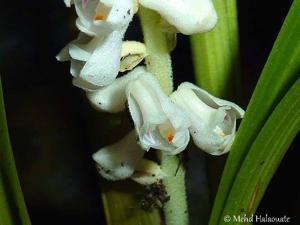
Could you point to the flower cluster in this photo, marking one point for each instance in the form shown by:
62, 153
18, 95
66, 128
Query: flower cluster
161, 122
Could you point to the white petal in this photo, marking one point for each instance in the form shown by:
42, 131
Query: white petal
64, 55
121, 14
212, 100
188, 16
78, 82
78, 53
68, 2
112, 98
103, 66
147, 172
118, 161
76, 67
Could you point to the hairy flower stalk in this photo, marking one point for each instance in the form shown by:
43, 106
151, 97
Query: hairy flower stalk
159, 63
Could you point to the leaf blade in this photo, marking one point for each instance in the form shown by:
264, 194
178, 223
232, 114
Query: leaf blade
13, 209
265, 155
275, 80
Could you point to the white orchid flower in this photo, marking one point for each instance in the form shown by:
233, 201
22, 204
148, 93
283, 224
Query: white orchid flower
124, 159
160, 124
112, 98
213, 120
118, 161
188, 16
100, 17
95, 61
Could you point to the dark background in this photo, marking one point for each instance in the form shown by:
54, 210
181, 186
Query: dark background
48, 119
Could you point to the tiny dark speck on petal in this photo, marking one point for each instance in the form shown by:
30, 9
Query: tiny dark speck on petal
128, 12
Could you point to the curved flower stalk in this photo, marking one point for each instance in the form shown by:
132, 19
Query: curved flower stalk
187, 16
159, 123
124, 159
112, 98
213, 120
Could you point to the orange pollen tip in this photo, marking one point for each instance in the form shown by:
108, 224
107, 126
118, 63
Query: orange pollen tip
170, 137
99, 16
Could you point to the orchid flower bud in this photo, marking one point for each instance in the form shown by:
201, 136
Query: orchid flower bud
213, 120
188, 16
159, 123
100, 17
112, 98
147, 172
96, 61
118, 161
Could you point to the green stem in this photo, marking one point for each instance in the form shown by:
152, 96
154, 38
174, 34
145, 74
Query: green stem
159, 63
12, 206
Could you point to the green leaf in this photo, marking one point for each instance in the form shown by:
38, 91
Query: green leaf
216, 53
280, 72
265, 155
12, 206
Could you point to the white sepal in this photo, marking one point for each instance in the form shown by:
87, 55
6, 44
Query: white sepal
103, 65
159, 123
112, 98
213, 120
118, 161
78, 82
147, 172
188, 16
